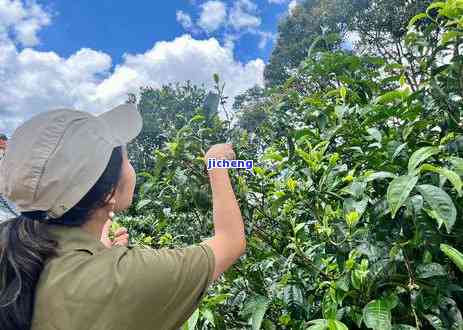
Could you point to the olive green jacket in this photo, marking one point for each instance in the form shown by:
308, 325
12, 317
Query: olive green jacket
90, 287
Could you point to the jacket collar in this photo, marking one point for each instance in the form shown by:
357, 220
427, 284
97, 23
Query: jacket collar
75, 238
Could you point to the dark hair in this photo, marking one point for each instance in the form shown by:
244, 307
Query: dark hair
3, 137
25, 245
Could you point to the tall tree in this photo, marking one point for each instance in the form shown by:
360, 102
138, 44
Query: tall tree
297, 32
380, 26
164, 110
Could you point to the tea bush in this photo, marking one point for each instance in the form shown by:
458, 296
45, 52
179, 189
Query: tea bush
355, 196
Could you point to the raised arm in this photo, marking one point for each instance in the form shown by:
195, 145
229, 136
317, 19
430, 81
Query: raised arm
229, 241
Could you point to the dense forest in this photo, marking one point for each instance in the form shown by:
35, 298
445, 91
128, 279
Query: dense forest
353, 210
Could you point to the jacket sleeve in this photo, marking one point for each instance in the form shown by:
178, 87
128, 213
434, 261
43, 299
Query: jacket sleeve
165, 286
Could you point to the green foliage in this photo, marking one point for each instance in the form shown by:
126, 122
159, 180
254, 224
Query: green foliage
353, 210
441, 206
327, 325
164, 111
326, 24
255, 309
399, 190
383, 23
313, 24
252, 108
455, 255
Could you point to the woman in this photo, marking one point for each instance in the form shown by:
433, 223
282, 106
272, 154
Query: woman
68, 172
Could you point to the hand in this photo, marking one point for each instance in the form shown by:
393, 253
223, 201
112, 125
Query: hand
220, 151
121, 236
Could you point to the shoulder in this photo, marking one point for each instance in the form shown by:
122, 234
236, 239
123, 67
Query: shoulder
134, 268
166, 261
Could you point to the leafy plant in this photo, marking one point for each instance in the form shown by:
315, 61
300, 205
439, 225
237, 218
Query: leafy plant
353, 210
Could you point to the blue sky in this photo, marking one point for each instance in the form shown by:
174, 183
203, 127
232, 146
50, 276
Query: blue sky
88, 55
135, 26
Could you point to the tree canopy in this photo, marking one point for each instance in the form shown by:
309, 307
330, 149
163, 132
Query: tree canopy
328, 24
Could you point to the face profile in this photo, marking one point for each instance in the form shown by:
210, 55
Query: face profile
125, 189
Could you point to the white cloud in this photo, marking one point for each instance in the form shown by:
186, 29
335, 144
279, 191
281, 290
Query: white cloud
33, 81
213, 15
292, 5
242, 19
38, 81
230, 40
183, 59
243, 15
265, 38
185, 20
22, 21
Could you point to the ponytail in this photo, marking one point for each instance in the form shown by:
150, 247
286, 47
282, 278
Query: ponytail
25, 245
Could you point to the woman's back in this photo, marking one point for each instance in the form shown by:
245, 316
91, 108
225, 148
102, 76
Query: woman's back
88, 286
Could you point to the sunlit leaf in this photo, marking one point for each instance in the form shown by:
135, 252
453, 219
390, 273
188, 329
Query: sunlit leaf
326, 325
421, 155
329, 307
416, 18
256, 308
448, 174
398, 191
430, 270
441, 205
379, 176
192, 321
143, 203
454, 255
377, 315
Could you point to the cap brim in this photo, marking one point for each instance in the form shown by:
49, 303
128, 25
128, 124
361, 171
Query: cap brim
124, 121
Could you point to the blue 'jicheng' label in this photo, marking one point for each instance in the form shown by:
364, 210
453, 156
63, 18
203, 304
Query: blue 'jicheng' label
235, 163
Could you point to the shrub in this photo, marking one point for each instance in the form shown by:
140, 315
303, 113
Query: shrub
356, 188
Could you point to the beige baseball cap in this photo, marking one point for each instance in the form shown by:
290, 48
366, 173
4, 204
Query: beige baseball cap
56, 157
